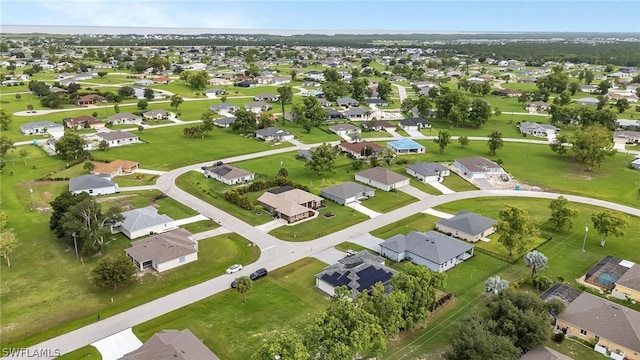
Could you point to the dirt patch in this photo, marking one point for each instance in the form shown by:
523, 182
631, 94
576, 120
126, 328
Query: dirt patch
115, 198
578, 177
46, 195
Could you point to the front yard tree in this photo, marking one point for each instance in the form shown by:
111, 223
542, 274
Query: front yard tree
60, 205
420, 285
71, 147
423, 106
609, 223
5, 119
387, 309
90, 224
126, 92
495, 285
591, 145
197, 79
444, 138
452, 106
285, 96
148, 94
176, 100
143, 104
515, 228
243, 284
470, 339
622, 105
103, 145
322, 158
245, 121
463, 140
286, 345
384, 90
557, 145
8, 238
207, 121
23, 154
479, 113
89, 165
561, 214
113, 272
495, 142
265, 120
536, 261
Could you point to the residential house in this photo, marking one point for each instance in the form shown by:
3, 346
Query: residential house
90, 99
333, 114
414, 124
542, 352
159, 114
314, 93
224, 122
214, 93
345, 130
586, 88
273, 134
536, 106
360, 150
382, 178
83, 122
257, 106
266, 97
117, 138
627, 136
478, 167
378, 125
164, 251
162, 80
356, 113
124, 119
224, 107
467, 226
359, 272
114, 168
405, 146
627, 124
539, 130
635, 163
144, 221
587, 101
432, 249
375, 102
627, 286
347, 193
347, 102
314, 75
428, 172
246, 83
220, 81
509, 93
172, 344
42, 128
93, 185
143, 82
290, 204
228, 174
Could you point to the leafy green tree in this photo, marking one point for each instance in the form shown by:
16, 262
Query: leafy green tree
563, 99
265, 120
515, 228
471, 340
197, 79
496, 285
245, 121
176, 100
358, 88
444, 138
589, 76
604, 87
574, 86
71, 147
113, 272
103, 145
609, 223
148, 94
116, 108
243, 285
561, 214
384, 90
322, 159
90, 224
207, 121
8, 238
60, 205
286, 345
419, 284
23, 154
5, 119
285, 96
143, 104
453, 107
463, 140
387, 309
495, 142
89, 165
283, 172
480, 113
126, 92
423, 106
591, 145
536, 261
622, 105
557, 145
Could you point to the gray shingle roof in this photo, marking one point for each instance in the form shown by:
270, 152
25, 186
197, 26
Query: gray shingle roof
172, 344
542, 352
139, 219
631, 278
164, 247
40, 125
427, 169
382, 175
87, 182
272, 131
346, 190
225, 120
468, 222
115, 135
431, 245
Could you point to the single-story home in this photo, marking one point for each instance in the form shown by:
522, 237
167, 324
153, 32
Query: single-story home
124, 118
347, 102
90, 99
223, 107
333, 114
628, 285
43, 127
144, 221
228, 174
213, 93
542, 352
635, 163
405, 146
291, 204
539, 130
375, 102
257, 106
382, 178
414, 124
117, 138
359, 272
437, 251
266, 97
467, 226
476, 167
627, 124
347, 193
172, 344
587, 101
164, 251
345, 130
355, 113
83, 122
427, 172
246, 83
273, 134
628, 136
224, 122
162, 80
114, 168
93, 185
378, 125
358, 150
143, 82
156, 114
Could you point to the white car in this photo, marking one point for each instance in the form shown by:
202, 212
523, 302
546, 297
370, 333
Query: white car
234, 268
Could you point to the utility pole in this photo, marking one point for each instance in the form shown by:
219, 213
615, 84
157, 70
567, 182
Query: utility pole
75, 244
586, 231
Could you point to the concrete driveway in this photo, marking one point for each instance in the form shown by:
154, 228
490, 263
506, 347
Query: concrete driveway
272, 225
115, 346
437, 213
440, 187
357, 206
484, 184
415, 192
369, 241
329, 256
414, 133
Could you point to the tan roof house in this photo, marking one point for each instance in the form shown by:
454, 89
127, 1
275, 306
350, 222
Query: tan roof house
292, 204
382, 178
115, 168
164, 251
172, 344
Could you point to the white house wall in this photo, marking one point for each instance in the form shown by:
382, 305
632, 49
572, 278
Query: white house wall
157, 229
168, 265
99, 191
325, 287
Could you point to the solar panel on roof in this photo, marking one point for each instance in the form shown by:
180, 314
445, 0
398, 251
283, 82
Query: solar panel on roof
281, 189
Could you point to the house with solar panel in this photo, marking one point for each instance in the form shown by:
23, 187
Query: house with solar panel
359, 272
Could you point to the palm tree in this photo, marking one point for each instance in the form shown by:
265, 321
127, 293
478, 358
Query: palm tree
243, 286
536, 261
496, 285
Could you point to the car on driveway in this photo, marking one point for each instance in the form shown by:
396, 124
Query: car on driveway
350, 253
218, 163
258, 274
234, 268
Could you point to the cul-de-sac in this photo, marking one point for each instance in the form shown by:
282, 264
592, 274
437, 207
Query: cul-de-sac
320, 197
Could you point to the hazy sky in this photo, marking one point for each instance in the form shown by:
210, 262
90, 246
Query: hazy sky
418, 15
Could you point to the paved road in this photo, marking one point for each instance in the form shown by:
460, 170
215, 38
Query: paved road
402, 92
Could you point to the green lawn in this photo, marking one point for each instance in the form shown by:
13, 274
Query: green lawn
350, 246
386, 201
457, 183
84, 353
200, 226
415, 222
284, 299
138, 179
320, 226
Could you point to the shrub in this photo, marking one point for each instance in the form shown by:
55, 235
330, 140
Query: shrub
559, 337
